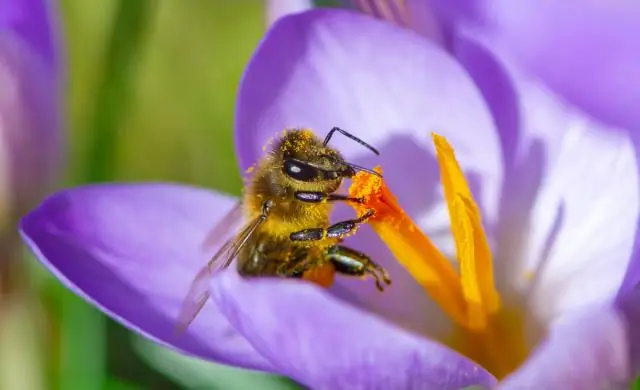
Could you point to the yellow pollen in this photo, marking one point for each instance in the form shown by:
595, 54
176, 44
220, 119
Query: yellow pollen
467, 294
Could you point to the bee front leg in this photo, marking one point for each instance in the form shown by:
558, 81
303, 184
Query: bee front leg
337, 230
319, 197
348, 261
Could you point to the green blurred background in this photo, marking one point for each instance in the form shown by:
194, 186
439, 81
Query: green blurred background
151, 95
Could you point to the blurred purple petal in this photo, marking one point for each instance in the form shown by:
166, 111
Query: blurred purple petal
30, 123
587, 351
327, 344
279, 8
570, 197
32, 21
132, 250
392, 88
30, 127
587, 51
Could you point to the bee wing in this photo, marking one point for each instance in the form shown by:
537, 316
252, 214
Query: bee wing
198, 293
231, 223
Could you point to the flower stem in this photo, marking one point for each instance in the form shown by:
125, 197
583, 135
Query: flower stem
83, 329
123, 50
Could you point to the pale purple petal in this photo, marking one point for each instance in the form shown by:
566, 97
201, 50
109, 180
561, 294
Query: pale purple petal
327, 344
570, 197
132, 250
587, 51
392, 88
326, 68
587, 351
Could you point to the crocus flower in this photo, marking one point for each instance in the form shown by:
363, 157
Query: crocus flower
549, 194
29, 123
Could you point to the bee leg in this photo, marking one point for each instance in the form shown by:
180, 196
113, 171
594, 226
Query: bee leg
319, 197
351, 262
293, 269
337, 230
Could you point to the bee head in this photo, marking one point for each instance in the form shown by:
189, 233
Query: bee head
306, 158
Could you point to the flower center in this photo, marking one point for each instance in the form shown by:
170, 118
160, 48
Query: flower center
486, 331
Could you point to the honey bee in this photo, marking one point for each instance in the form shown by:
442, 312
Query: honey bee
287, 203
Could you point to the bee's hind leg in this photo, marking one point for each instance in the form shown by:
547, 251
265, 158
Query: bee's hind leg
351, 262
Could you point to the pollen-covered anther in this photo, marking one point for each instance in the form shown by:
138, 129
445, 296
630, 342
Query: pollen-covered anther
408, 243
375, 196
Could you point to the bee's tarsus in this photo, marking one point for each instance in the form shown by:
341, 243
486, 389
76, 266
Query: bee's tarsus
385, 276
367, 215
351, 262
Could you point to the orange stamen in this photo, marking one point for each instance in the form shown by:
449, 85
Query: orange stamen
469, 297
472, 249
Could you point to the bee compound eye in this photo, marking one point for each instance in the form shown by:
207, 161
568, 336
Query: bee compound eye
300, 171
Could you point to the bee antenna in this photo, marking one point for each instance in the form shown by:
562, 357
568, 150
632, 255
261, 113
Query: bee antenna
363, 169
349, 135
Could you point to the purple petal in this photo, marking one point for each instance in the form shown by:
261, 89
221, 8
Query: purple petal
587, 51
570, 196
391, 87
327, 344
30, 123
132, 250
326, 68
29, 94
587, 351
32, 20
